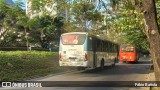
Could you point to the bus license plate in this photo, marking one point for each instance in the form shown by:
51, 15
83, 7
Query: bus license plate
72, 59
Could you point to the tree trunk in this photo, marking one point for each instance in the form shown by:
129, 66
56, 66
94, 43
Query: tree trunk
26, 36
153, 33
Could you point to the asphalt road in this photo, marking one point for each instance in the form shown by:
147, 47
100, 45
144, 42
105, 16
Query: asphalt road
128, 72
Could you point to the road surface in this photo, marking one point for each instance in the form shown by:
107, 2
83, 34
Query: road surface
121, 72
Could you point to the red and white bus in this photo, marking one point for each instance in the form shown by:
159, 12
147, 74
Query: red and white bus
128, 53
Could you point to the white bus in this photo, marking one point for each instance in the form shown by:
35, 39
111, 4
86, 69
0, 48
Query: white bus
80, 49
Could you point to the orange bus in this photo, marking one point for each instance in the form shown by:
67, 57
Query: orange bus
128, 53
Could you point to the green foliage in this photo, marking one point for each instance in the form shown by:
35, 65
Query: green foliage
123, 23
128, 24
69, 27
9, 13
158, 11
8, 22
45, 29
41, 6
22, 49
84, 13
17, 26
4, 7
20, 65
22, 20
34, 23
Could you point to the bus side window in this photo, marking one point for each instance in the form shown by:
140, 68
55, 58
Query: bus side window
109, 47
105, 46
94, 44
90, 44
114, 48
98, 46
101, 46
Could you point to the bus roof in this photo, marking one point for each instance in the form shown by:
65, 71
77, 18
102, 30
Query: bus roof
87, 33
75, 33
129, 44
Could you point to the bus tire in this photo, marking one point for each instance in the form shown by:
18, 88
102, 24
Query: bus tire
136, 61
102, 64
124, 61
113, 64
115, 61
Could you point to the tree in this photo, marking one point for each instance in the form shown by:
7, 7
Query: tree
151, 30
85, 15
153, 33
58, 22
81, 14
8, 18
4, 17
128, 23
47, 7
23, 22
46, 28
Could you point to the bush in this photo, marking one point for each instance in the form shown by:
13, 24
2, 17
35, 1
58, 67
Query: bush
21, 49
20, 65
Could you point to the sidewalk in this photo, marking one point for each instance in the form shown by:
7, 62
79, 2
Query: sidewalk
151, 77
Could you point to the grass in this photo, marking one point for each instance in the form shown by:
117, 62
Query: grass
22, 65
154, 88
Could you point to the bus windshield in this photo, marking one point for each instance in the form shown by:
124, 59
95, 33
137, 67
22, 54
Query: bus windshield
73, 39
127, 48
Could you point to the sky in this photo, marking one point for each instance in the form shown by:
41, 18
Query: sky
24, 1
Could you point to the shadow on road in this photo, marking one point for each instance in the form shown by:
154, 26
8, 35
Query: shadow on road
142, 67
144, 62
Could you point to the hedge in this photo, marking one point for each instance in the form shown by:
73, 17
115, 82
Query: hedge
22, 65
21, 49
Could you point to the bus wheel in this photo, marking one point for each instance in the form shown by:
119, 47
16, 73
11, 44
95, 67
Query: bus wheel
124, 61
136, 61
114, 63
102, 64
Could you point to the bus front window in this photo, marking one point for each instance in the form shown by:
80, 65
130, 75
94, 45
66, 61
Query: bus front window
73, 39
